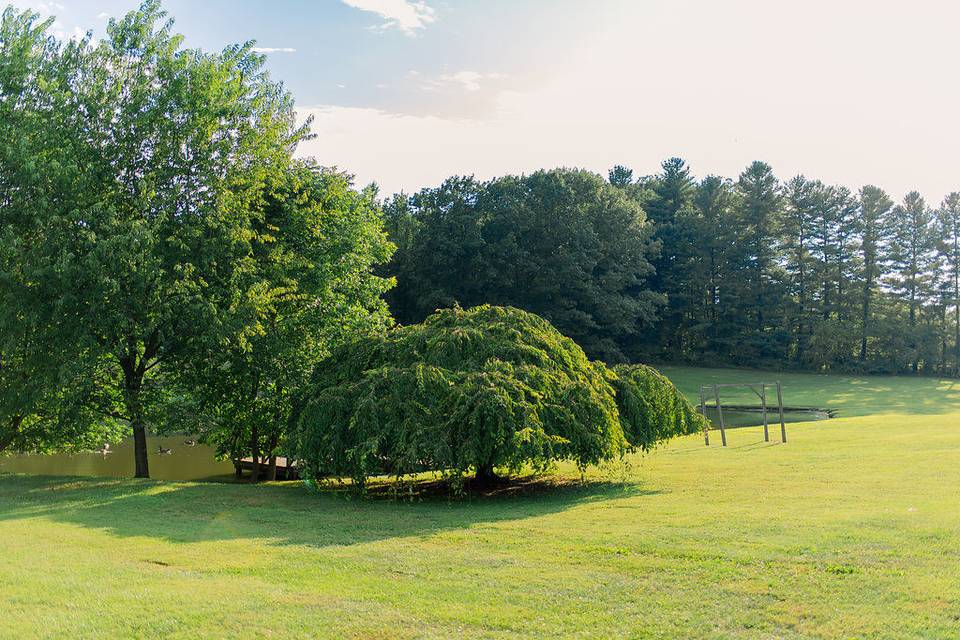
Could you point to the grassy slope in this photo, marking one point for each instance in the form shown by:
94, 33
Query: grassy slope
851, 530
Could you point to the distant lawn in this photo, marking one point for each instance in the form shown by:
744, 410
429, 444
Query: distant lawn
849, 395
852, 530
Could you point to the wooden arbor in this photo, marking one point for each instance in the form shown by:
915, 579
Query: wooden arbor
761, 393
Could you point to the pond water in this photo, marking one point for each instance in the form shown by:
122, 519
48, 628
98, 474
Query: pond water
753, 417
184, 462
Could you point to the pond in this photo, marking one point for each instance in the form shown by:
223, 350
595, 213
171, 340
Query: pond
184, 462
749, 416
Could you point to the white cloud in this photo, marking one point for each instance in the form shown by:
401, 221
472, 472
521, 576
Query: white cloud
103, 15
405, 15
48, 8
465, 79
51, 9
864, 124
274, 50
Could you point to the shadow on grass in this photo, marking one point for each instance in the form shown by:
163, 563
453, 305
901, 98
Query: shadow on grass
283, 513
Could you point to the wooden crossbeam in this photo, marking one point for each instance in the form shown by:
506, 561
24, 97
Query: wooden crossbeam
762, 394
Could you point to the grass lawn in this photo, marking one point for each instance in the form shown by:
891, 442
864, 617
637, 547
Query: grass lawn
852, 530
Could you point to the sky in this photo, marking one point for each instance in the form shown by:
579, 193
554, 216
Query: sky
408, 92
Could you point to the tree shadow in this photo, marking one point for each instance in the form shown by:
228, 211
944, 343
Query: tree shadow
284, 513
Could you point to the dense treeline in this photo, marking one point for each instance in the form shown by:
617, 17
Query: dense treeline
562, 244
751, 272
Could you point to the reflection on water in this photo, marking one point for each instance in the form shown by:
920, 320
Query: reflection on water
754, 418
182, 463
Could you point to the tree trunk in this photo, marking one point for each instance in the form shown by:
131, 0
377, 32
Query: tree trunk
134, 366
255, 454
864, 331
272, 469
133, 383
485, 475
913, 328
956, 302
140, 450
7, 439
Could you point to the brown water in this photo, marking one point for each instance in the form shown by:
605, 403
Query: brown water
198, 462
182, 463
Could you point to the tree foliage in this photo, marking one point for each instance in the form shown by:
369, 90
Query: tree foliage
129, 168
562, 244
480, 389
651, 409
754, 271
316, 241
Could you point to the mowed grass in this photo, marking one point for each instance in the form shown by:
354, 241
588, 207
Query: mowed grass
851, 530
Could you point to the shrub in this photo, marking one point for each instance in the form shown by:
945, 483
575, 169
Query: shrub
485, 388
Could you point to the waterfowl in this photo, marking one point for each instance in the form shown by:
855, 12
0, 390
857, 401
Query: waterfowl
190, 443
164, 452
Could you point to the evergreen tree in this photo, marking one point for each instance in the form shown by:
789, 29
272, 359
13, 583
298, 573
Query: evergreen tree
714, 205
912, 245
620, 176
760, 301
949, 249
671, 210
875, 208
798, 220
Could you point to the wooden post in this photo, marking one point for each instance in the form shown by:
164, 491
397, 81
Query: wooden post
783, 425
723, 433
763, 404
706, 421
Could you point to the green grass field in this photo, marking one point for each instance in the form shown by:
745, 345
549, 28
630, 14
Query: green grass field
852, 530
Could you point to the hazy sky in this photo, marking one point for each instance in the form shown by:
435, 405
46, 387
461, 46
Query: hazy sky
408, 92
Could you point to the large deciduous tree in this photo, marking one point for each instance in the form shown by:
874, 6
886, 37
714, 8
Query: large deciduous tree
316, 242
564, 244
132, 171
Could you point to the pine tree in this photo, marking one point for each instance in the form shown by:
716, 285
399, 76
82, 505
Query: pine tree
797, 226
949, 249
671, 210
912, 244
714, 205
875, 207
759, 214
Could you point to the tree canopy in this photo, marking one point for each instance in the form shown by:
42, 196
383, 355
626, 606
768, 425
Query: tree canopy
129, 169
754, 271
563, 244
316, 241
